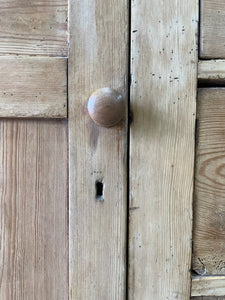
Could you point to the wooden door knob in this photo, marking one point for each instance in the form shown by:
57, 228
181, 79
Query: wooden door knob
106, 107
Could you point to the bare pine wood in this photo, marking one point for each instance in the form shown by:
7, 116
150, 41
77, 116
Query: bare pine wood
212, 23
209, 206
208, 298
33, 210
163, 102
208, 286
98, 58
37, 27
33, 87
211, 71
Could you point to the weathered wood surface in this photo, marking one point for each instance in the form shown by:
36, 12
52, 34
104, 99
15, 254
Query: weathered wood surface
33, 87
33, 210
211, 71
37, 27
209, 205
212, 23
208, 286
208, 298
163, 102
98, 58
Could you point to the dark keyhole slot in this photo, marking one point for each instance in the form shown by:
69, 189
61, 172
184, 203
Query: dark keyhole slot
99, 186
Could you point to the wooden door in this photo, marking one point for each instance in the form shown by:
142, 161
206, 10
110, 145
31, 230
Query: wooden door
137, 243
63, 237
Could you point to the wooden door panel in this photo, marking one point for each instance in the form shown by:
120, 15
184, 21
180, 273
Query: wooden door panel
212, 23
33, 206
33, 87
33, 27
209, 206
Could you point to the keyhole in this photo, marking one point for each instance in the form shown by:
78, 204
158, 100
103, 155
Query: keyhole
99, 186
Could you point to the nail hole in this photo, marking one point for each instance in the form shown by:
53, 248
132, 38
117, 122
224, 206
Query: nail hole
99, 187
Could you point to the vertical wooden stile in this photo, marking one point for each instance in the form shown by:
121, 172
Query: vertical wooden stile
97, 229
163, 102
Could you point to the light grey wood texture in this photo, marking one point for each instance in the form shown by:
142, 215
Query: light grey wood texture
163, 102
34, 27
33, 87
211, 71
33, 210
208, 298
209, 206
208, 286
98, 58
212, 23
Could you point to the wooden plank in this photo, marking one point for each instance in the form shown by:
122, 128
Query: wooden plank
211, 71
33, 205
209, 206
37, 27
208, 286
208, 298
98, 58
33, 87
212, 23
163, 102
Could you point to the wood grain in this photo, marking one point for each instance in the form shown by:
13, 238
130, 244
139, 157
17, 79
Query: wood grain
211, 71
33, 210
163, 102
208, 298
98, 58
33, 87
209, 206
208, 286
33, 27
212, 23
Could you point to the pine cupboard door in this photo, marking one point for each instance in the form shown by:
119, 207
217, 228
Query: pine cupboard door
92, 205
135, 240
90, 211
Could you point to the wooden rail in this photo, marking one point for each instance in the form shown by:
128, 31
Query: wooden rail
208, 286
211, 71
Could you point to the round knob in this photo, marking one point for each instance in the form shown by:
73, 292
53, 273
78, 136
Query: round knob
106, 107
